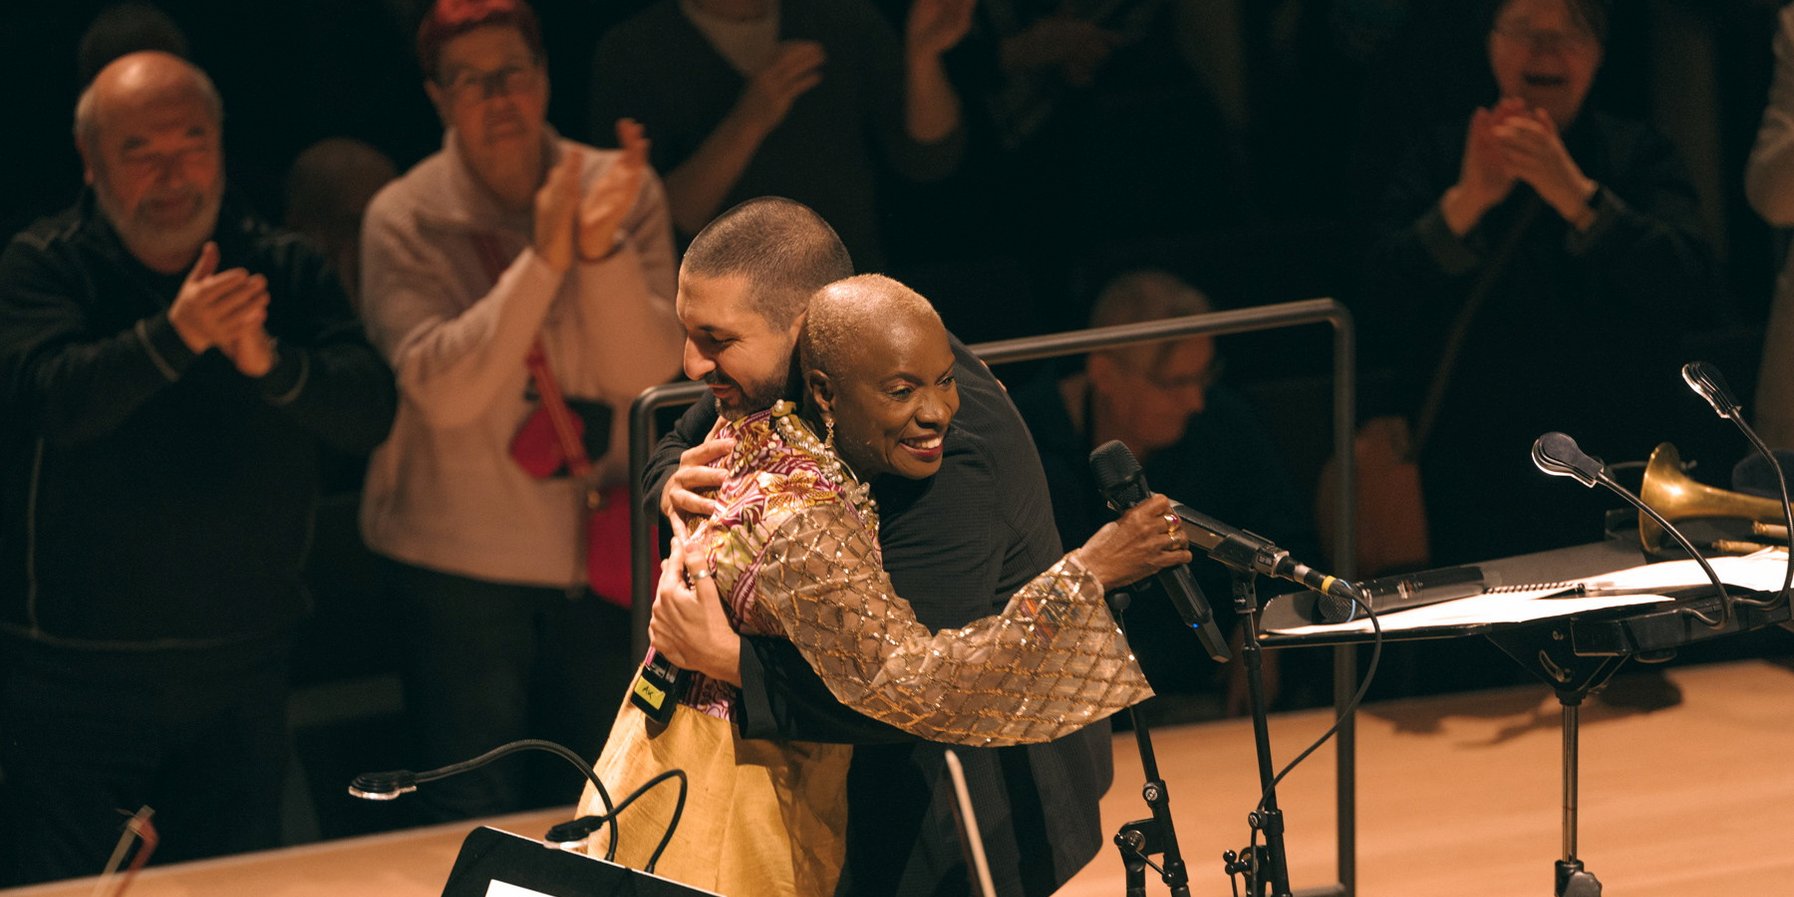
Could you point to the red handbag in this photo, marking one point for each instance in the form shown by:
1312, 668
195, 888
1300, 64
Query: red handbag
552, 440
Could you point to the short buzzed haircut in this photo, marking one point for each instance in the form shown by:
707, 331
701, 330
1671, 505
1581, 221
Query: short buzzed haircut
1146, 295
783, 248
844, 313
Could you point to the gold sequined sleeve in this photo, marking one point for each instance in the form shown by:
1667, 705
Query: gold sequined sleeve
1051, 663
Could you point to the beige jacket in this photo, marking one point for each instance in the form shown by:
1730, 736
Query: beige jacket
443, 492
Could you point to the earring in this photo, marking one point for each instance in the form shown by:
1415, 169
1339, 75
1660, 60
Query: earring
828, 439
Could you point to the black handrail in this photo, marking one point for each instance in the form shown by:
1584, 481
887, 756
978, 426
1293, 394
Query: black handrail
643, 436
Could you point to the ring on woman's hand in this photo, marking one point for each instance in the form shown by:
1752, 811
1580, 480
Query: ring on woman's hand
701, 574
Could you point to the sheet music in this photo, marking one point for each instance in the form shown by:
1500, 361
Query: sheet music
1760, 572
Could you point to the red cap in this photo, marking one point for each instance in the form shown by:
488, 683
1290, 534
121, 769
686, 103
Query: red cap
448, 19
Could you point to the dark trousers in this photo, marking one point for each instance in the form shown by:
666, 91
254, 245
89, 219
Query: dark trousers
487, 663
88, 737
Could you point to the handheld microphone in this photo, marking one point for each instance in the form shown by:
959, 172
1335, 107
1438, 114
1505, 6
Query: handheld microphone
1123, 484
1558, 455
1253, 553
1709, 384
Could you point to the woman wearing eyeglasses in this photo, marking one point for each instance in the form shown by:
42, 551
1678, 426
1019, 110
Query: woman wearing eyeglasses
1536, 263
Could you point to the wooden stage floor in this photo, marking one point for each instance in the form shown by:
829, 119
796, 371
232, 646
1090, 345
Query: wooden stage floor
1457, 795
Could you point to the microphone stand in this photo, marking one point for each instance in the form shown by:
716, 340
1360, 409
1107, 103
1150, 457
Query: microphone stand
1266, 868
1140, 839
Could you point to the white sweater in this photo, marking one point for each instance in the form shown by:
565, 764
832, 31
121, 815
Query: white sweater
442, 492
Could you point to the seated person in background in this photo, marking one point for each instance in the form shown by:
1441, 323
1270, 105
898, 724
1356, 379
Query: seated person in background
795, 98
1564, 245
1198, 442
793, 548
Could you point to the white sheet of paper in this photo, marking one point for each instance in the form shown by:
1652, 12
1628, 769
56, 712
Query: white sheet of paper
1760, 572
506, 889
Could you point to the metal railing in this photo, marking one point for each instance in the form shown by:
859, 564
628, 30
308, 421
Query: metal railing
643, 437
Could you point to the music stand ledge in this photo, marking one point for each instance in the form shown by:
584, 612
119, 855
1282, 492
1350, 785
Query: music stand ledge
1574, 654
492, 856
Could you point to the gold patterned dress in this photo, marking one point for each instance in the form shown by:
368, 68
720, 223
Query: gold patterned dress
794, 552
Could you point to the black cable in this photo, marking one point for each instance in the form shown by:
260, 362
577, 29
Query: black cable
578, 829
1376, 656
388, 785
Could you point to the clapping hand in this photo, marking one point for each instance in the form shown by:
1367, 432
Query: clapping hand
795, 68
1531, 150
556, 202
226, 310
613, 194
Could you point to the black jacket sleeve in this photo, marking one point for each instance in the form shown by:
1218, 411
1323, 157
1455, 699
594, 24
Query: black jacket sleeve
326, 376
689, 430
783, 698
69, 377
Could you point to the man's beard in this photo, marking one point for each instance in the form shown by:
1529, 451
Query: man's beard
148, 241
746, 400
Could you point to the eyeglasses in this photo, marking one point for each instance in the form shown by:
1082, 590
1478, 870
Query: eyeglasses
464, 83
1201, 380
1544, 41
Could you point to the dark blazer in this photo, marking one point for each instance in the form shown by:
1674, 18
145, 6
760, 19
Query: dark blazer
1578, 332
956, 546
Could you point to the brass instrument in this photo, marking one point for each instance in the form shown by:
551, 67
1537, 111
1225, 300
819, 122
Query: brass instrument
1677, 496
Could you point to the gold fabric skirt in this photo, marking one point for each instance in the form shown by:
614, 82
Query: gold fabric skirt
760, 818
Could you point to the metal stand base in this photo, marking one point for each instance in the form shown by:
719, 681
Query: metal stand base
1548, 653
1572, 881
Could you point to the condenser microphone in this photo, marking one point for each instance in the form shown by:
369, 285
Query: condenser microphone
1123, 484
1253, 553
1709, 384
1558, 455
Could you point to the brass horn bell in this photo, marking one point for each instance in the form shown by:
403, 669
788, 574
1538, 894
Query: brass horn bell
1677, 496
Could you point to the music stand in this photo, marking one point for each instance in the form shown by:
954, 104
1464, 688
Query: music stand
1574, 654
493, 861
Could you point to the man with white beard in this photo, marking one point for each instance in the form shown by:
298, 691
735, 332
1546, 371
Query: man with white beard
169, 369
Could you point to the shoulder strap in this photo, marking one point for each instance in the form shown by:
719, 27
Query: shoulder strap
548, 389
1428, 414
